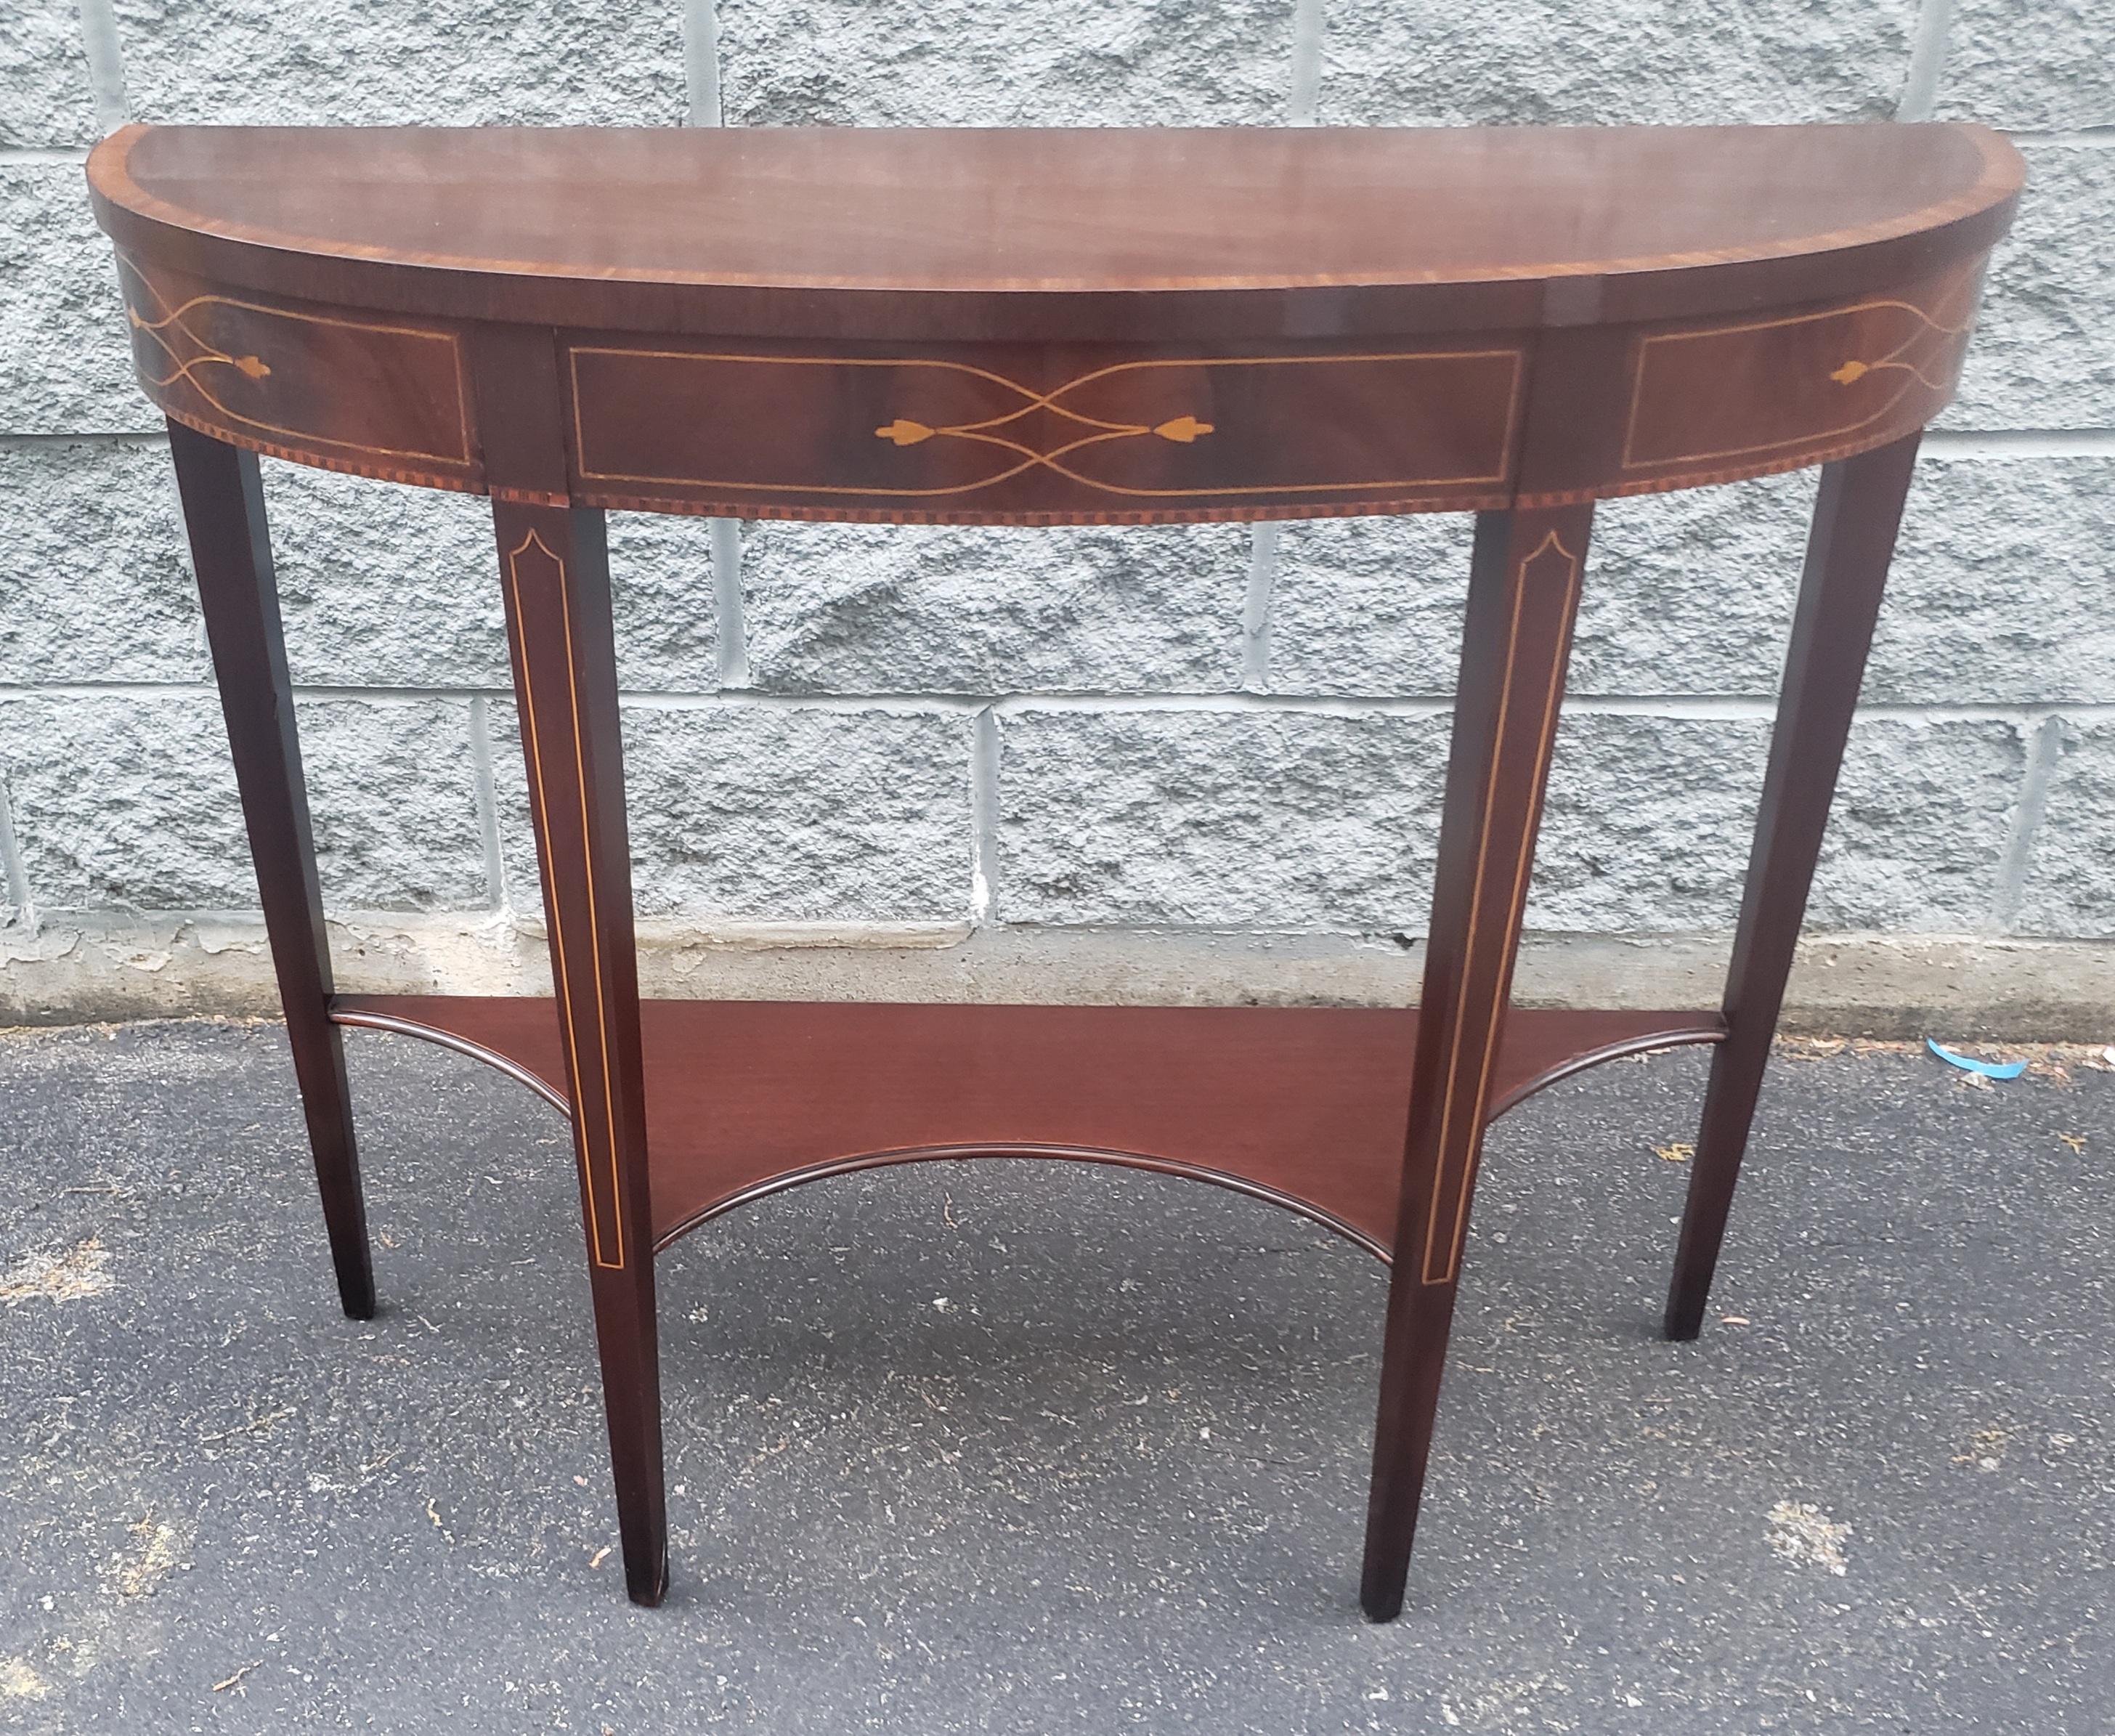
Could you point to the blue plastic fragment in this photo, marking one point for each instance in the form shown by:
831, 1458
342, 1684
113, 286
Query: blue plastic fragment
1970, 1064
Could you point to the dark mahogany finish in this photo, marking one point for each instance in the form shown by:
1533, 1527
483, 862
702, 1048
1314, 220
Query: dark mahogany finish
239, 595
1025, 327
1855, 521
1302, 1105
1012, 234
1035, 328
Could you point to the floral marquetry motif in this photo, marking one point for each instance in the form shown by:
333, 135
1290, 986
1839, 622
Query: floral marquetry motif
1735, 396
265, 375
1017, 432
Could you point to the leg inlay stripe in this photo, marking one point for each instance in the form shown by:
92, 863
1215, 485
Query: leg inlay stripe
1459, 1150
613, 1256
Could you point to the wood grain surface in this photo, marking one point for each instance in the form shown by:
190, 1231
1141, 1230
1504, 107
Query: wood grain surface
1105, 234
1303, 1104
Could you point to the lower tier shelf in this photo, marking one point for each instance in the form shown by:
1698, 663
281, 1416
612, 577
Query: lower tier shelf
1302, 1105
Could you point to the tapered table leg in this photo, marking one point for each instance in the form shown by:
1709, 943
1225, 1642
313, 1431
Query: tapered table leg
224, 515
1855, 516
554, 571
1523, 595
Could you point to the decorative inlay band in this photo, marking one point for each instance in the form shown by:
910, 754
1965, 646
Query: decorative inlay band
1183, 430
1148, 427
203, 334
1461, 1137
1851, 372
1832, 375
605, 1236
249, 365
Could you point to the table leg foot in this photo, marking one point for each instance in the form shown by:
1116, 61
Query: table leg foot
632, 1402
647, 1587
223, 504
1856, 518
1410, 1401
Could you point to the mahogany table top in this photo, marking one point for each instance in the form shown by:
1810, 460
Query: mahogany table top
1079, 233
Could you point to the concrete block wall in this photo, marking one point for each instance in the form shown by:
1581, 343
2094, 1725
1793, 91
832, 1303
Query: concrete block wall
1090, 763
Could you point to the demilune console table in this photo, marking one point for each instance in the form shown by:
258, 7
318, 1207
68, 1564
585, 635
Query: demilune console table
1048, 328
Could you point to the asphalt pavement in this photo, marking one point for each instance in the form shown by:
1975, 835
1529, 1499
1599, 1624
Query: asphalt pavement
1022, 1447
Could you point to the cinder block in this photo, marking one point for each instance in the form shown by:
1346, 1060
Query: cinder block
94, 584
2069, 891
1919, 827
2041, 357
993, 63
856, 608
751, 813
1995, 595
45, 96
124, 802
1547, 61
11, 911
1650, 821
383, 586
2039, 67
1692, 593
1647, 825
1242, 819
661, 596
65, 365
1689, 593
1295, 821
379, 586
1235, 817
1370, 605
340, 63
2000, 586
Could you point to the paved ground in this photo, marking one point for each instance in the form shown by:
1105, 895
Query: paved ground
1042, 1450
